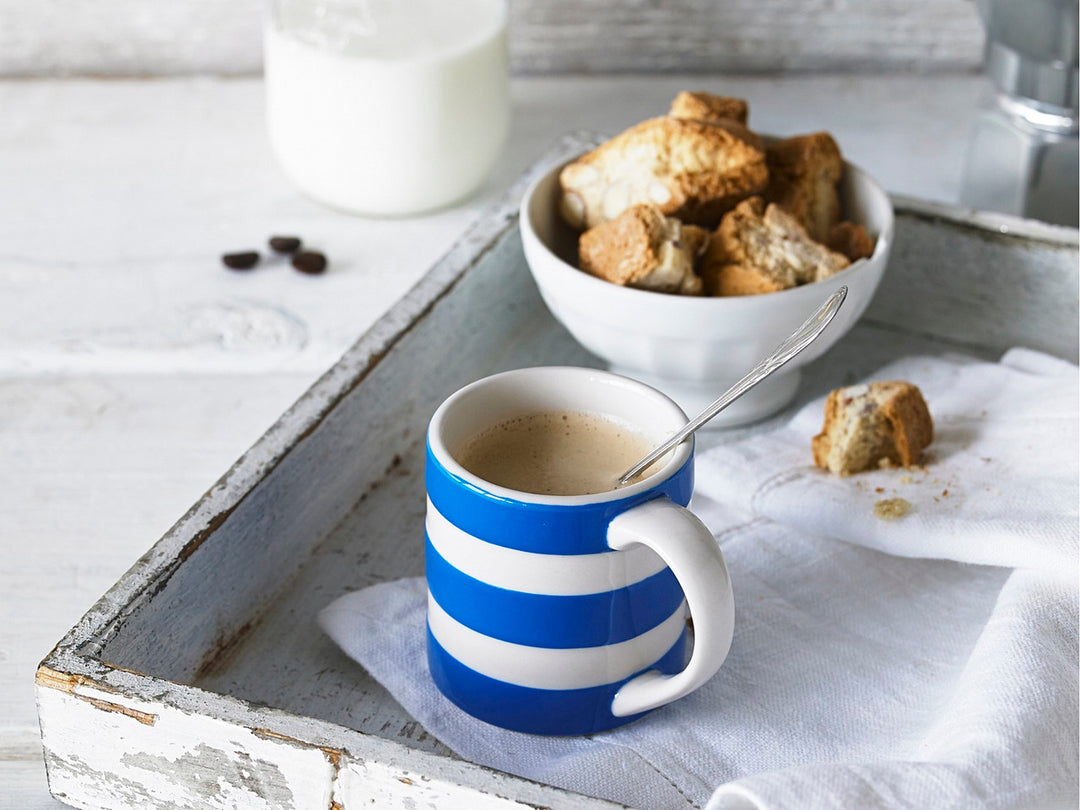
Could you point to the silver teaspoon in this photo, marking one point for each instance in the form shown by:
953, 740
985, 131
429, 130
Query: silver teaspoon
795, 343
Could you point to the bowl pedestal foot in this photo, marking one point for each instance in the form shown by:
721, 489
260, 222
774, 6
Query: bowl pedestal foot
763, 400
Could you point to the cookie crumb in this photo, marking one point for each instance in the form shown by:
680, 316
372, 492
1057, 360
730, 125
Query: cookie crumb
891, 508
906, 479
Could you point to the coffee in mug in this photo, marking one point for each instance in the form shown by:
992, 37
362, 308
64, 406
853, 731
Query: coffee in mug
554, 453
566, 614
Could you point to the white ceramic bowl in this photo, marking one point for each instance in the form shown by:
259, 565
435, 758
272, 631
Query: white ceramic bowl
692, 348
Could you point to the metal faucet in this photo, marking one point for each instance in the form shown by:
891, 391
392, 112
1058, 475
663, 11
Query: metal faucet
1022, 156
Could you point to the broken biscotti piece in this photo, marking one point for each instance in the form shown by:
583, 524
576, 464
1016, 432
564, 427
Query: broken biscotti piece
873, 425
707, 107
850, 239
803, 173
643, 248
693, 170
761, 248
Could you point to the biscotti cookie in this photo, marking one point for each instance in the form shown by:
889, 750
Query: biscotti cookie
642, 248
850, 239
707, 107
873, 425
761, 248
693, 170
803, 173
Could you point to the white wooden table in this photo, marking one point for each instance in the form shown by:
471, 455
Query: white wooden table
134, 368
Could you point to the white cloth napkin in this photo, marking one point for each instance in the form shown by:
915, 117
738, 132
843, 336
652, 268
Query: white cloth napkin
929, 661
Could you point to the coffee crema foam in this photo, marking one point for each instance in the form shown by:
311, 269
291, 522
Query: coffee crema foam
555, 453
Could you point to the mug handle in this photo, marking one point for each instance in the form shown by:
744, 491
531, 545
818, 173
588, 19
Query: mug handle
693, 555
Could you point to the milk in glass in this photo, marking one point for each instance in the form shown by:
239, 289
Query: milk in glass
387, 107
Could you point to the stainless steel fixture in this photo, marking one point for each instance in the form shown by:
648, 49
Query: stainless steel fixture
1022, 156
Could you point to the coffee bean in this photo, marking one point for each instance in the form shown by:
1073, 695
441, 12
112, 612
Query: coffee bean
284, 244
309, 261
240, 261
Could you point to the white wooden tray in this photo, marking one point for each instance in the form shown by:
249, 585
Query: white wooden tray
200, 678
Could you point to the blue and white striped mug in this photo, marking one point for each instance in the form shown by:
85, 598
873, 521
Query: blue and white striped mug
566, 615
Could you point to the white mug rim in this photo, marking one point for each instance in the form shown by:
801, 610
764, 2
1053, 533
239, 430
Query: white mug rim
678, 458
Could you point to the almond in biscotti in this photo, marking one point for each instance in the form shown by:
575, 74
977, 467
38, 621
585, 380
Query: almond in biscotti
873, 425
803, 173
642, 248
707, 107
689, 169
761, 248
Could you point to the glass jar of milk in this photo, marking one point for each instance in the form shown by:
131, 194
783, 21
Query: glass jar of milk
387, 107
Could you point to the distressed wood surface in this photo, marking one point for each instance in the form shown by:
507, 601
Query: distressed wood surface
246, 691
745, 36
93, 468
120, 196
982, 280
208, 751
132, 629
130, 38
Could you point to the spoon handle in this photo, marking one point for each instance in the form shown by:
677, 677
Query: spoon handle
795, 343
